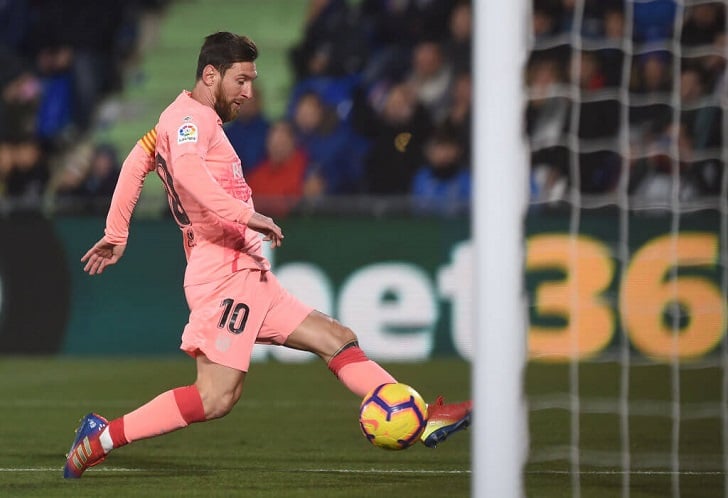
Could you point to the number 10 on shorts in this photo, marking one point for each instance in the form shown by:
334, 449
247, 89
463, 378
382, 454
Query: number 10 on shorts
234, 316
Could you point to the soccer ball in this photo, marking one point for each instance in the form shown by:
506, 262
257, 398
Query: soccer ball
392, 416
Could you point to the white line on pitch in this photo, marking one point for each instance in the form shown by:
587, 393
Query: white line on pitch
557, 472
398, 471
379, 471
322, 471
60, 469
633, 472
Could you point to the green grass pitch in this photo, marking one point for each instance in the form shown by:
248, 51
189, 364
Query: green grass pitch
295, 434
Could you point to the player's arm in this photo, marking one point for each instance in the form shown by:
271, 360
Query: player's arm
192, 175
137, 165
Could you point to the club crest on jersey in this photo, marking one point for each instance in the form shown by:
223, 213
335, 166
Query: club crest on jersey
187, 133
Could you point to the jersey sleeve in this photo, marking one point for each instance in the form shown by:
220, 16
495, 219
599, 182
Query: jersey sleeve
137, 165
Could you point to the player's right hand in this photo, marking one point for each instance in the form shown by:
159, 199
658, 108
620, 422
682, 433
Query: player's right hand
268, 228
101, 255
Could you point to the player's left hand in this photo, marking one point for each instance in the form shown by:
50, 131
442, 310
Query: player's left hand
271, 232
101, 255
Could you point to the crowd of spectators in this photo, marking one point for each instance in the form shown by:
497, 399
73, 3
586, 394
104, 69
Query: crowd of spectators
616, 100
380, 105
58, 61
635, 105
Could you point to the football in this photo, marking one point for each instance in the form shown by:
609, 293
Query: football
392, 416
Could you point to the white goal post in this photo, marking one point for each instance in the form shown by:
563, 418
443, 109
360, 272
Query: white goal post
499, 204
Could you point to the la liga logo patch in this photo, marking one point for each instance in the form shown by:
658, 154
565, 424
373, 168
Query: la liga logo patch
187, 133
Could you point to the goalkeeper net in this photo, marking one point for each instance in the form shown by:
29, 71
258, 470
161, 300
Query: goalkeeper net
627, 253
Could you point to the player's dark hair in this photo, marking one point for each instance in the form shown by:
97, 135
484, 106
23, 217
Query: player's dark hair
223, 49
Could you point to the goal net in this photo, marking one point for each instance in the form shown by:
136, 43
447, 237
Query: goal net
627, 248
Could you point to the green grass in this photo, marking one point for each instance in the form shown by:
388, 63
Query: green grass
294, 433
701, 472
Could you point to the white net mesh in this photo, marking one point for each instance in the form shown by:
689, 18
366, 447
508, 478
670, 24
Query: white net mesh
627, 265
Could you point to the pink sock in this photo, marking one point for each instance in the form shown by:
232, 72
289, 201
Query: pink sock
167, 412
357, 372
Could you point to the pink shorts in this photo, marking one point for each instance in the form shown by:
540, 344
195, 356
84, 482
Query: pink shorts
229, 316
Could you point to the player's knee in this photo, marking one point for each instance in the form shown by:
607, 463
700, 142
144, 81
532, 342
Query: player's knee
219, 404
341, 335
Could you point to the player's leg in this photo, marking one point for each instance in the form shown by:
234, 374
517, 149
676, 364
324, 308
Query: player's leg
291, 323
219, 386
213, 395
337, 345
220, 374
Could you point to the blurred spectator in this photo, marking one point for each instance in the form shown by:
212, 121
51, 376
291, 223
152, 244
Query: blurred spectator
565, 17
277, 182
714, 65
599, 171
248, 132
394, 28
103, 173
598, 118
19, 99
543, 22
88, 187
614, 23
397, 132
547, 122
653, 21
56, 111
18, 108
431, 77
26, 174
547, 114
459, 116
701, 129
332, 149
90, 40
692, 88
651, 77
667, 150
594, 22
703, 22
457, 47
336, 93
24, 168
66, 190
442, 185
406, 22
611, 57
333, 43
591, 76
652, 73
701, 119
654, 168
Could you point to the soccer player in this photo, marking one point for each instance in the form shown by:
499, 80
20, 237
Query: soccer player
235, 300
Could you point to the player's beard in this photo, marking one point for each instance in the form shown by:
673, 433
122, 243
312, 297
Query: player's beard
224, 107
